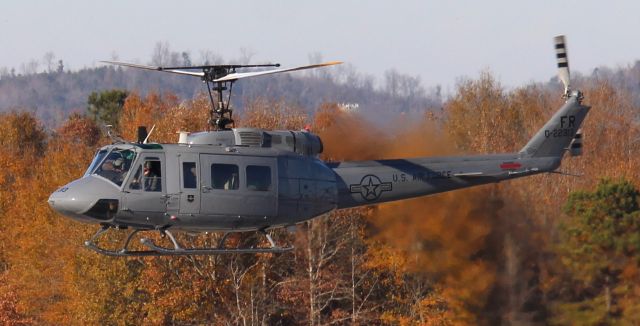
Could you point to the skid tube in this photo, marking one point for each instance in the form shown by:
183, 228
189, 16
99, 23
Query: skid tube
177, 250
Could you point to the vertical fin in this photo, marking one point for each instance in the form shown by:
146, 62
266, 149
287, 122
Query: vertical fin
556, 135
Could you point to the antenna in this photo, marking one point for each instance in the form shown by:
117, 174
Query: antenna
149, 134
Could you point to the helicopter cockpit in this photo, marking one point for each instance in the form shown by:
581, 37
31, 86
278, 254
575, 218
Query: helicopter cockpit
112, 164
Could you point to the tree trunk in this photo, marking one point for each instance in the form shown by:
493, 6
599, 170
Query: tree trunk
353, 274
312, 313
607, 294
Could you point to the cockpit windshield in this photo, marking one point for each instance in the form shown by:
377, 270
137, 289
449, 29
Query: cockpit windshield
115, 166
96, 160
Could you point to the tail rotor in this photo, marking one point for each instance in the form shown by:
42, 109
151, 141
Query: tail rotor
563, 63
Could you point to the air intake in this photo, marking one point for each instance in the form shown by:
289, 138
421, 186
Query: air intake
248, 137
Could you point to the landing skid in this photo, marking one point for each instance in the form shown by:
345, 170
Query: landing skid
177, 250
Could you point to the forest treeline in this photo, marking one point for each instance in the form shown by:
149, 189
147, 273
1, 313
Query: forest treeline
548, 249
53, 92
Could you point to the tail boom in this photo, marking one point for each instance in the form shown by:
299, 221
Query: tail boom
371, 182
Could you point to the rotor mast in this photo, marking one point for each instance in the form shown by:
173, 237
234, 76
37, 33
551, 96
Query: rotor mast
220, 114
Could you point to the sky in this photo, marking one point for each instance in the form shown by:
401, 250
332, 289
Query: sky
439, 41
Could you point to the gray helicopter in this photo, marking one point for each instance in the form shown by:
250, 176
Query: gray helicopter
245, 179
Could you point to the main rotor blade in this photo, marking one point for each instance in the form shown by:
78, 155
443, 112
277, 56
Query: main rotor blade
239, 75
156, 68
226, 66
563, 62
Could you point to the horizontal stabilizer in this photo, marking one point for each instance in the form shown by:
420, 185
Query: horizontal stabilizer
469, 174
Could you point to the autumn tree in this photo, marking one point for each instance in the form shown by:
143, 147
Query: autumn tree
22, 142
21, 132
273, 115
482, 117
9, 314
80, 129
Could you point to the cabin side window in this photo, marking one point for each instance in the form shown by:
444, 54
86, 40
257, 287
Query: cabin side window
189, 178
258, 178
224, 176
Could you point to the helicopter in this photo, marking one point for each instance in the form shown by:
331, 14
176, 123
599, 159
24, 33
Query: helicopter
233, 180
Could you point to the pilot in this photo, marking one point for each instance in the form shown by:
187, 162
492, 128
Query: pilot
119, 169
112, 170
107, 166
118, 165
151, 178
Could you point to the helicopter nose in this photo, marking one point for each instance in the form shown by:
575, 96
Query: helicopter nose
68, 201
79, 197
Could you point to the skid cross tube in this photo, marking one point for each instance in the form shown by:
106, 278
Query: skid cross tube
177, 250
124, 252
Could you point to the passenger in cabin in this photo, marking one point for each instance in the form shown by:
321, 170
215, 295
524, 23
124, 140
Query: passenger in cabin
232, 182
190, 179
224, 176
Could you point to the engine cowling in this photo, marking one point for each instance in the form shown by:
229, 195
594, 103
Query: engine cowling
300, 142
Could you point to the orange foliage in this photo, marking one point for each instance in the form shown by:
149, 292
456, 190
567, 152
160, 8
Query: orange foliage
262, 113
80, 129
411, 235
20, 132
163, 111
465, 257
9, 314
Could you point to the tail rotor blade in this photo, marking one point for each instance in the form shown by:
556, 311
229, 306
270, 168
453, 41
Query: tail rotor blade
563, 62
